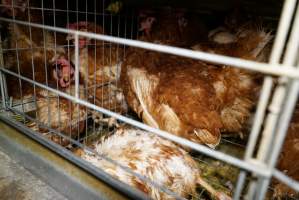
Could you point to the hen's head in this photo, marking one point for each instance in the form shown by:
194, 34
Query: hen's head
85, 27
63, 72
147, 20
181, 18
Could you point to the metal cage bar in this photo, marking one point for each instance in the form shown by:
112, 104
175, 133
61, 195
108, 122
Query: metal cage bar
276, 121
2, 78
276, 53
273, 69
275, 108
254, 167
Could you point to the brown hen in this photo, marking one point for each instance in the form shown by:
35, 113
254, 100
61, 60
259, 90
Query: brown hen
99, 66
171, 26
189, 98
32, 52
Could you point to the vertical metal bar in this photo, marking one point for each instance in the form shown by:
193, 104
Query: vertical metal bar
275, 107
118, 68
87, 83
17, 57
45, 64
77, 62
277, 49
271, 120
289, 59
69, 58
77, 66
276, 53
259, 116
55, 56
240, 185
3, 95
258, 119
281, 133
95, 61
110, 66
32, 57
2, 78
103, 57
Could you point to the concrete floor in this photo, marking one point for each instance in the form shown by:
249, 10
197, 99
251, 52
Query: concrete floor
17, 183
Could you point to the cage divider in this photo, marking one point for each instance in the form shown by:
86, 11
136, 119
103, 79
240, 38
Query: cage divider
275, 108
4, 94
282, 102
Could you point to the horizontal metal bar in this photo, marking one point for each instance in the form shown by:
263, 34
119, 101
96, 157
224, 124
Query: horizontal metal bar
106, 44
63, 10
274, 69
286, 180
253, 167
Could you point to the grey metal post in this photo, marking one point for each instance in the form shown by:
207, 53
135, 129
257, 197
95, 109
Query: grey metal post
2, 78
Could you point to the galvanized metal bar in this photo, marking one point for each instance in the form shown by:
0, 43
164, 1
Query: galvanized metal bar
17, 34
254, 134
286, 180
277, 70
59, 10
276, 52
77, 68
253, 167
45, 63
281, 129
3, 94
282, 30
240, 185
2, 78
265, 99
55, 56
95, 61
32, 56
279, 95
275, 108
277, 49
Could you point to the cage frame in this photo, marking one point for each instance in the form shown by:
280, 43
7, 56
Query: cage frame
280, 108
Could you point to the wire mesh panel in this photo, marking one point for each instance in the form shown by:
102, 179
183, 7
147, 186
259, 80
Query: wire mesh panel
167, 100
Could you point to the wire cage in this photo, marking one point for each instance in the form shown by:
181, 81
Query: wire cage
62, 78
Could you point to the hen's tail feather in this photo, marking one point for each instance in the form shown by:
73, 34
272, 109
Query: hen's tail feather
142, 87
